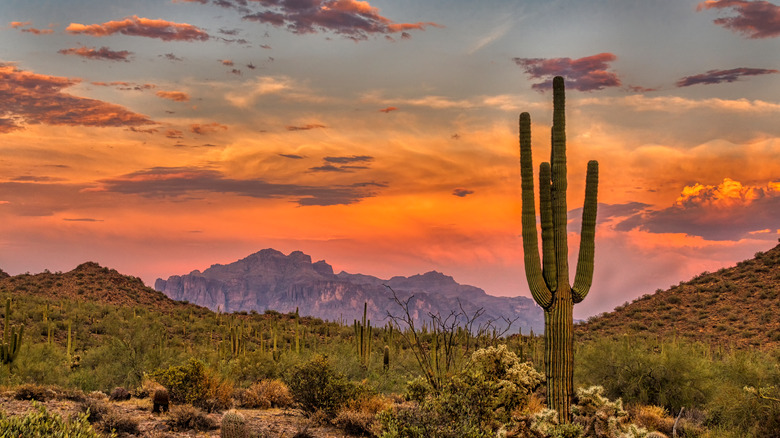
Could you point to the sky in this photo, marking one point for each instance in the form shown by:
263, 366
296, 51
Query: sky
159, 137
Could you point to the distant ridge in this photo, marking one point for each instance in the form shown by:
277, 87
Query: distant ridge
268, 279
737, 306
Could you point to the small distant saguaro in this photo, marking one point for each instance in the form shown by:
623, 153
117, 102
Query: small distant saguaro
548, 278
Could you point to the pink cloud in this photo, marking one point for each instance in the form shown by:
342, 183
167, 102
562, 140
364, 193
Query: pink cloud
584, 74
176, 96
30, 98
102, 53
755, 19
351, 18
718, 76
207, 128
145, 27
32, 30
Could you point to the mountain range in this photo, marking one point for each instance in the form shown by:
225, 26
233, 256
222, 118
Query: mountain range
271, 280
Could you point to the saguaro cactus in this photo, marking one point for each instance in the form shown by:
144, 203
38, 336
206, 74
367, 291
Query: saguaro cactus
12, 340
548, 279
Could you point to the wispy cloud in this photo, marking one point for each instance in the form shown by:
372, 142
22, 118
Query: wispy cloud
22, 25
292, 156
187, 181
388, 109
103, 53
176, 96
145, 27
718, 76
306, 127
496, 33
754, 19
585, 74
349, 159
29, 98
207, 128
462, 193
353, 19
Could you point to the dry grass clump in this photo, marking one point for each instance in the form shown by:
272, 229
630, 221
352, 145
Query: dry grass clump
186, 417
264, 395
652, 418
358, 417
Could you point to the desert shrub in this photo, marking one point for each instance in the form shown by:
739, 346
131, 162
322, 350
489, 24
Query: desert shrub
32, 391
315, 386
42, 423
119, 394
652, 418
265, 394
476, 402
359, 416
193, 384
119, 422
671, 374
190, 418
94, 409
42, 363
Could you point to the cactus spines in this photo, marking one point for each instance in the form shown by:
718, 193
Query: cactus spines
233, 425
548, 279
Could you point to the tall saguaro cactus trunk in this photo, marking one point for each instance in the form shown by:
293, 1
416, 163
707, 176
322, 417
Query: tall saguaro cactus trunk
548, 278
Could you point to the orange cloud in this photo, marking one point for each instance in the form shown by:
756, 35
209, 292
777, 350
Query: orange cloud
101, 53
18, 24
176, 96
226, 62
207, 128
31, 98
145, 27
388, 109
21, 24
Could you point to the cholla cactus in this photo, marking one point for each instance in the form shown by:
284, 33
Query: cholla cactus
233, 425
548, 279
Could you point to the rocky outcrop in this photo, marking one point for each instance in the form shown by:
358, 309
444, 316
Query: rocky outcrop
270, 280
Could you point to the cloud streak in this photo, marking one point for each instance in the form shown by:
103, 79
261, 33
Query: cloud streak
352, 19
583, 74
30, 98
103, 53
207, 128
306, 127
144, 27
719, 76
176, 96
186, 181
754, 19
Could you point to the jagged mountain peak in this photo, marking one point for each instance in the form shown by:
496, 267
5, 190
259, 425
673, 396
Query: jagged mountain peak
268, 279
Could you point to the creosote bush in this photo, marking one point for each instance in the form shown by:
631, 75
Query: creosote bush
316, 386
193, 384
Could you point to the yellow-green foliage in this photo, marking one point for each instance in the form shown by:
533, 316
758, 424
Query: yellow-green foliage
316, 386
193, 384
42, 423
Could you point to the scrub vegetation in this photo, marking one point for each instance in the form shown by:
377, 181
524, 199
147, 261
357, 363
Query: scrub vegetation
93, 337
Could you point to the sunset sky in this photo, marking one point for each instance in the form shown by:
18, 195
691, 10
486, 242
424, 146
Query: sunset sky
157, 137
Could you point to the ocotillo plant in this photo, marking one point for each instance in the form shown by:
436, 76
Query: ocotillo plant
12, 340
548, 279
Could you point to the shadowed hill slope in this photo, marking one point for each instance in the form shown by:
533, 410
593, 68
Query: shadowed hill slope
737, 306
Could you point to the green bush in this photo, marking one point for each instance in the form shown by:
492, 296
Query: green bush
668, 374
315, 386
42, 423
193, 384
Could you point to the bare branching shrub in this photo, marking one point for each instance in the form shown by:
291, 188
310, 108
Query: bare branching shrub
186, 417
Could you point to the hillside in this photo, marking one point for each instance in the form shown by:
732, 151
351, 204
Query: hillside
89, 282
269, 279
735, 306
